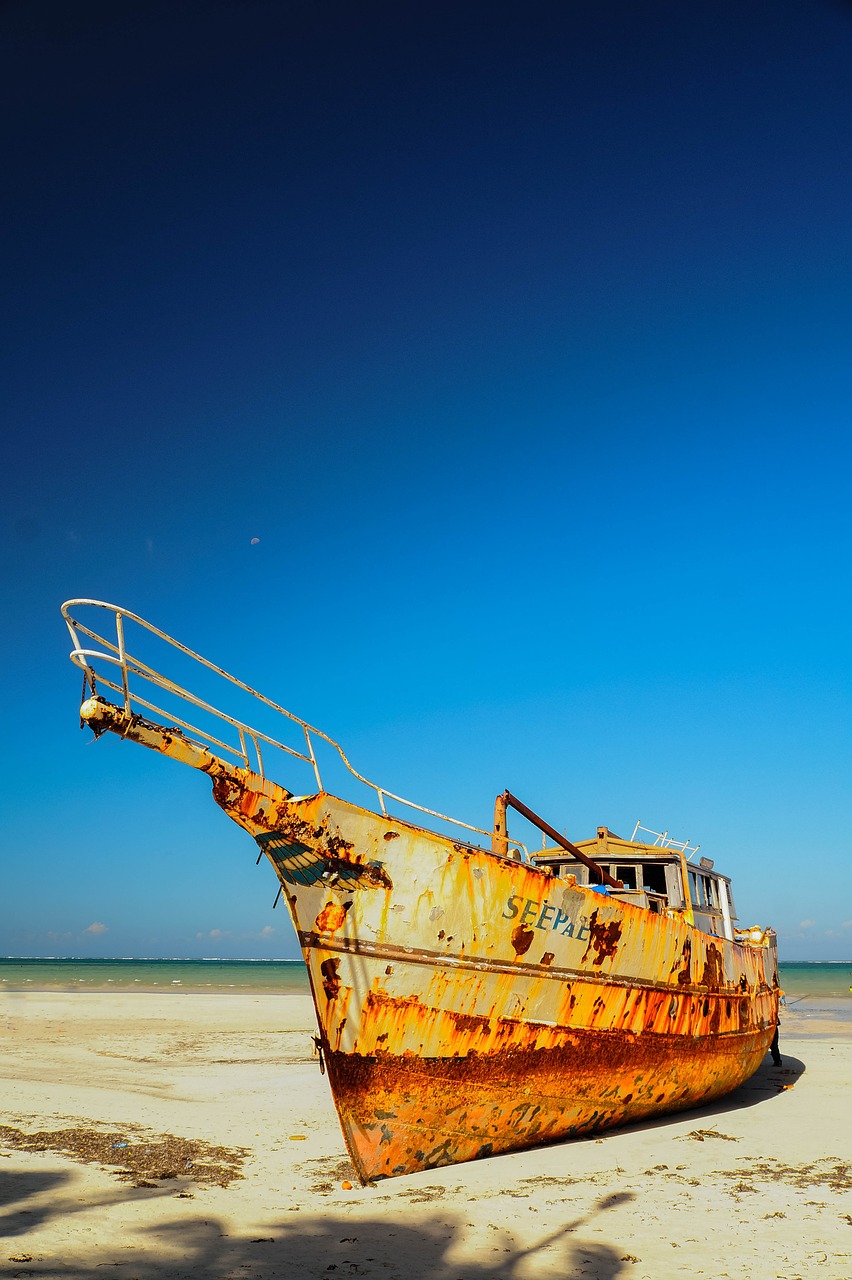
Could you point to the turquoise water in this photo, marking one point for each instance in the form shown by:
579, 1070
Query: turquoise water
817, 1000
799, 981
233, 976
816, 980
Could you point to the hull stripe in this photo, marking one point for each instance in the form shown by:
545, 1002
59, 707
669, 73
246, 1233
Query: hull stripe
434, 959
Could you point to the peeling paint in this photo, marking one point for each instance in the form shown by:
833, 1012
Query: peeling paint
603, 939
522, 939
331, 917
330, 978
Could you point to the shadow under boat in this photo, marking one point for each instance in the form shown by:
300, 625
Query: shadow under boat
766, 1083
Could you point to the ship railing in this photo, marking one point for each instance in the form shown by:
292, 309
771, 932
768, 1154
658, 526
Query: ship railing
122, 667
662, 840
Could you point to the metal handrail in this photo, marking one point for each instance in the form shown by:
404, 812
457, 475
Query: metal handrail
115, 655
663, 840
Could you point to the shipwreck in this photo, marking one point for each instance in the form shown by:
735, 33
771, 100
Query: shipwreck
471, 997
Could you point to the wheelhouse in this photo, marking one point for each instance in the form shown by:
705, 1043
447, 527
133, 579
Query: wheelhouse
658, 877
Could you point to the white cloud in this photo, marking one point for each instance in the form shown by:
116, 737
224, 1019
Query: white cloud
807, 924
97, 927
847, 924
268, 930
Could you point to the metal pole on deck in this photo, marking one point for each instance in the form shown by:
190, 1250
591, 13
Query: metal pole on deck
603, 877
500, 836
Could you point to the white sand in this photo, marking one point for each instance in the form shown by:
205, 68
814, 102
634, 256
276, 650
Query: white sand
648, 1202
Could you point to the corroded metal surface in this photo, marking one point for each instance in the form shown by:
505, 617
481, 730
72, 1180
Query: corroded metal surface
472, 1005
402, 1113
469, 1004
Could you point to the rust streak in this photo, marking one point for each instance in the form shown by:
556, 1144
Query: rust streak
714, 972
330, 978
684, 976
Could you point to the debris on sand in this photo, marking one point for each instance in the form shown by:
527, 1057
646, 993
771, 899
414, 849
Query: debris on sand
134, 1155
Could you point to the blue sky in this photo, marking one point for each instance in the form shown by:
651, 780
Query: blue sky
519, 337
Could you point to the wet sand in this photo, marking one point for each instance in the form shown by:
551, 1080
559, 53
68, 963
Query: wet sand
759, 1184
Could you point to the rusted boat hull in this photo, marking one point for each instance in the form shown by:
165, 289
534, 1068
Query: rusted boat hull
469, 1004
437, 1085
402, 1114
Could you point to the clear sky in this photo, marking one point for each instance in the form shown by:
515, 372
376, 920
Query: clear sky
475, 379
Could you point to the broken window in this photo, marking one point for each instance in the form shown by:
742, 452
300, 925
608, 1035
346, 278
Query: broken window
654, 878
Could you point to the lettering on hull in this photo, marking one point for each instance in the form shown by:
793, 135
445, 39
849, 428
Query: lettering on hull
535, 914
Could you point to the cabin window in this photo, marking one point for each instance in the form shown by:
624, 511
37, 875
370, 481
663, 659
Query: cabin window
703, 892
654, 878
627, 875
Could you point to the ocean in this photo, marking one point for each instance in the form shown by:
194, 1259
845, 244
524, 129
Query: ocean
236, 977
817, 980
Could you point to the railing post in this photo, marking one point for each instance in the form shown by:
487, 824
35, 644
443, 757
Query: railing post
122, 657
312, 756
500, 835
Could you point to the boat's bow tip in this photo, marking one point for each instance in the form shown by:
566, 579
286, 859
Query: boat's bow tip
95, 711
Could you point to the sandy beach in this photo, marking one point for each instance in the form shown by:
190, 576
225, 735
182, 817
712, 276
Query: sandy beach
201, 1088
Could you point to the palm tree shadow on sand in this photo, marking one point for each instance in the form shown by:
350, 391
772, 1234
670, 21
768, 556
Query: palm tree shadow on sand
18, 1187
329, 1248
324, 1246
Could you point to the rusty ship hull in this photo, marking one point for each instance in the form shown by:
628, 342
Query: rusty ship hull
469, 1006
469, 1003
